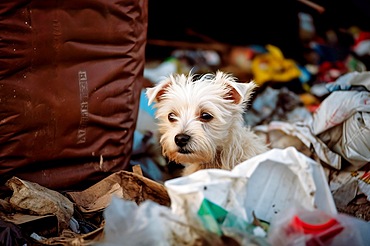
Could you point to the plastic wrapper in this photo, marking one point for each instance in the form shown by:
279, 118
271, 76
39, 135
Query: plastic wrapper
298, 226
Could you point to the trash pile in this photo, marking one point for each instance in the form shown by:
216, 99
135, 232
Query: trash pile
36, 215
320, 110
280, 197
321, 107
316, 119
256, 203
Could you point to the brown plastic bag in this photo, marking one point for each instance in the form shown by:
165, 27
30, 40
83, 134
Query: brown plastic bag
70, 81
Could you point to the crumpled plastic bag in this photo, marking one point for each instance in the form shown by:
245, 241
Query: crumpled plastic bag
351, 140
149, 223
342, 122
265, 185
127, 223
339, 129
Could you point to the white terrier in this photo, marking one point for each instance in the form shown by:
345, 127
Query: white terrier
201, 121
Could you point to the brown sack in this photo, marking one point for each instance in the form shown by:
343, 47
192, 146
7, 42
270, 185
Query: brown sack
70, 81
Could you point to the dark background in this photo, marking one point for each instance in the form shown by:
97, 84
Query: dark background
250, 22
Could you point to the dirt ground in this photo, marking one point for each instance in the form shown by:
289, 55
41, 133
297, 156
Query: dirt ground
359, 207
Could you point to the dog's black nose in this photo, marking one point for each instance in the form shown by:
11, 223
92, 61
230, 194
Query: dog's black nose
181, 139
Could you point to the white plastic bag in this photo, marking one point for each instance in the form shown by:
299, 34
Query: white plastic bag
266, 184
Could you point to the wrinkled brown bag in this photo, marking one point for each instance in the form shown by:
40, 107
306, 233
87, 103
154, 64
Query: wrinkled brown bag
70, 81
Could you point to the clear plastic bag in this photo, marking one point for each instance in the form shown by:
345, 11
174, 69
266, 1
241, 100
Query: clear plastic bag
126, 223
300, 227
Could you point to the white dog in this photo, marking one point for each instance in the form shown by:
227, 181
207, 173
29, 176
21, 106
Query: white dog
201, 121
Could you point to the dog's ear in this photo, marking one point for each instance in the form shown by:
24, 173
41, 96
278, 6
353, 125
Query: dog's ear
236, 91
154, 93
241, 92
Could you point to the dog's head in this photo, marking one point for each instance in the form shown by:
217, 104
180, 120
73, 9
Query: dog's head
196, 115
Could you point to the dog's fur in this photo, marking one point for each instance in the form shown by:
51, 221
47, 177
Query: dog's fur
201, 120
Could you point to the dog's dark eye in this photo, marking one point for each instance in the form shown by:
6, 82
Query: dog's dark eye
205, 117
171, 117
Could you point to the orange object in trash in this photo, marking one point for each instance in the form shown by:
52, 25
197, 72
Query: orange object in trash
322, 232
